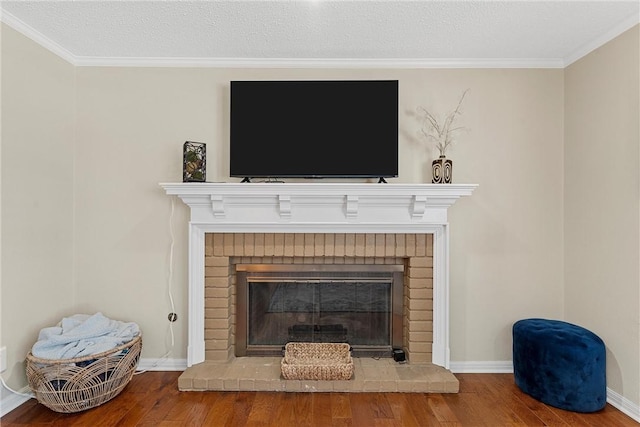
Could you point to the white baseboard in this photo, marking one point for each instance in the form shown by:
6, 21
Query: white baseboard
623, 404
11, 401
162, 364
616, 400
497, 367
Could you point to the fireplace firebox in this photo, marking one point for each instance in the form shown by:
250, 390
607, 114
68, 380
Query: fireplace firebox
357, 304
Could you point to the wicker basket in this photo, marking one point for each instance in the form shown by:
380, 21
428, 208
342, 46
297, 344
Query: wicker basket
317, 361
73, 385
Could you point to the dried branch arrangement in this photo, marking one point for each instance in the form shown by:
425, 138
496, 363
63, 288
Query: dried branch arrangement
441, 133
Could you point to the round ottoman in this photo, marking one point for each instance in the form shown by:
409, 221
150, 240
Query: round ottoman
560, 364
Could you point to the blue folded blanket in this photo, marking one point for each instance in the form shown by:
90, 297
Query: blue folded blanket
83, 335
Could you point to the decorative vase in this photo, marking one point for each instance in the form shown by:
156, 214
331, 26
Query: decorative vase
194, 162
442, 169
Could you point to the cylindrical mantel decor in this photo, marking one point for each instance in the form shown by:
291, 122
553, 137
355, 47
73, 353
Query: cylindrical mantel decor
442, 169
194, 162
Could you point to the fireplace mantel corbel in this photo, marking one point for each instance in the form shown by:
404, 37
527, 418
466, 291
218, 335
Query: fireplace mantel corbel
319, 208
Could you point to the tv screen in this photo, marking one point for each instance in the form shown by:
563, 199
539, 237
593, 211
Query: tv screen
314, 129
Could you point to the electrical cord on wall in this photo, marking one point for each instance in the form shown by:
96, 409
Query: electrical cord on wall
4, 384
170, 292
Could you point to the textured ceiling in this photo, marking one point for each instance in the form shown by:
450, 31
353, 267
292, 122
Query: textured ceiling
543, 32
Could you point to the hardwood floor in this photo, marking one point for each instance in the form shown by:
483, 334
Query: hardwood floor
153, 399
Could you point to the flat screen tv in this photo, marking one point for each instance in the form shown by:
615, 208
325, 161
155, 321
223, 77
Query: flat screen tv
314, 129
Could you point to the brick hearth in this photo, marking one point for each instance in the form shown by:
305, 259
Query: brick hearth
222, 370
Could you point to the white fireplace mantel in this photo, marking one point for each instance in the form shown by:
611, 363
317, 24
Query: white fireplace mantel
319, 208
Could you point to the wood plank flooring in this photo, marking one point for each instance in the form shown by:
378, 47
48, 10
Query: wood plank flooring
153, 399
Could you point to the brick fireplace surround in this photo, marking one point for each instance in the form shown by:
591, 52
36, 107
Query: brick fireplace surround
223, 251
264, 223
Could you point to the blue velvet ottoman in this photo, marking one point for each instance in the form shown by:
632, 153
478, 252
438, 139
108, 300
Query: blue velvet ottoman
560, 364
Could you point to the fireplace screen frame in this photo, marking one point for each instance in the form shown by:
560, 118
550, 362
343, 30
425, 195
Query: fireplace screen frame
247, 273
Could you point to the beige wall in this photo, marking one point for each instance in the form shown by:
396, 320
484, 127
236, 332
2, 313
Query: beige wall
506, 255
507, 239
602, 176
37, 195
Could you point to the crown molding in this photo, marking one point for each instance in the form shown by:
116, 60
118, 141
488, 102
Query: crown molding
350, 63
36, 36
604, 38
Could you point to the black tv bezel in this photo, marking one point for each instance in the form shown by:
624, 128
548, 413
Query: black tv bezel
247, 178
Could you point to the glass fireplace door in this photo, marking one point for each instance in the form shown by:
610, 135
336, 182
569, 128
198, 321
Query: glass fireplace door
284, 308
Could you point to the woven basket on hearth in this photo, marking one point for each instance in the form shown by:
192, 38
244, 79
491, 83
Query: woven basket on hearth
317, 361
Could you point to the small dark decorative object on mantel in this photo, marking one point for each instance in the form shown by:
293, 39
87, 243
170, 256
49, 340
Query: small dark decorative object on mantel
442, 169
194, 162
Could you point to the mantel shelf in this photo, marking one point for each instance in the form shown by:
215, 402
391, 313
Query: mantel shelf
317, 204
